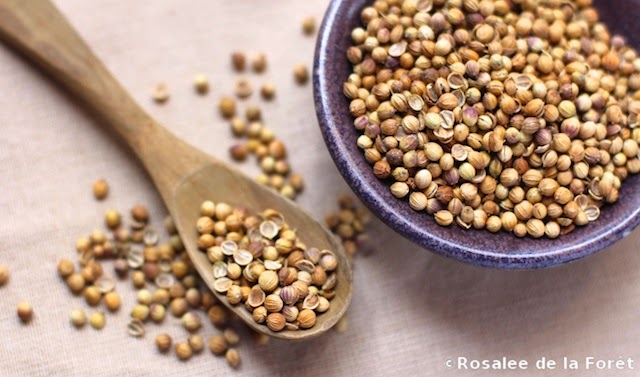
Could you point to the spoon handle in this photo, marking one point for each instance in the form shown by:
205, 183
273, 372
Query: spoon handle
37, 29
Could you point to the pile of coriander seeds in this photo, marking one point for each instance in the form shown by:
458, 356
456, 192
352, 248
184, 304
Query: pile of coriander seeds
165, 282
506, 115
260, 262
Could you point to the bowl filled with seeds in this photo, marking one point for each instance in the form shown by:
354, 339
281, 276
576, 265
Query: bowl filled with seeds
502, 133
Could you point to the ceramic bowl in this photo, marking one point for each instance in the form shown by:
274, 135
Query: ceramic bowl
501, 250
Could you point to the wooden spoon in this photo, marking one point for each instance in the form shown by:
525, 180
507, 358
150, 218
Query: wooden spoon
184, 175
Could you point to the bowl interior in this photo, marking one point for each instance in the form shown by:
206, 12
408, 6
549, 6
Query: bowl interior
502, 250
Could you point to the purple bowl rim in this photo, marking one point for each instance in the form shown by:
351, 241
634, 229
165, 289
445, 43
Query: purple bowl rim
385, 211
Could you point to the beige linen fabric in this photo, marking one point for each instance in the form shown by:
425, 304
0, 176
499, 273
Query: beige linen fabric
411, 310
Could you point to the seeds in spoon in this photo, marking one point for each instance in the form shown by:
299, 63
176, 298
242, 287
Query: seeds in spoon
271, 286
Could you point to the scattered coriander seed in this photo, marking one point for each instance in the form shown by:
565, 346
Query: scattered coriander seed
238, 126
243, 88
196, 342
259, 62
193, 297
25, 311
97, 320
227, 107
201, 83
217, 345
268, 90
4, 273
100, 189
112, 218
160, 93
183, 350
157, 312
75, 282
178, 307
191, 321
144, 297
239, 61
91, 272
233, 357
140, 312
163, 342
78, 318
92, 295
231, 336
112, 301
253, 113
309, 25
239, 152
65, 269
300, 73
140, 213
138, 279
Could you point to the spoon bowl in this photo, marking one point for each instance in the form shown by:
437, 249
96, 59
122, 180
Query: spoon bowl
184, 175
243, 192
500, 250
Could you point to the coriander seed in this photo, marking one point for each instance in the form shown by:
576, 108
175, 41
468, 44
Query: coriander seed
4, 273
233, 357
275, 322
140, 312
78, 318
100, 189
140, 213
217, 344
97, 320
243, 88
301, 74
92, 295
196, 343
163, 342
160, 93
178, 307
25, 311
308, 25
112, 301
65, 269
259, 62
75, 282
239, 61
201, 83
268, 90
183, 350
138, 279
227, 107
239, 152
231, 336
112, 218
